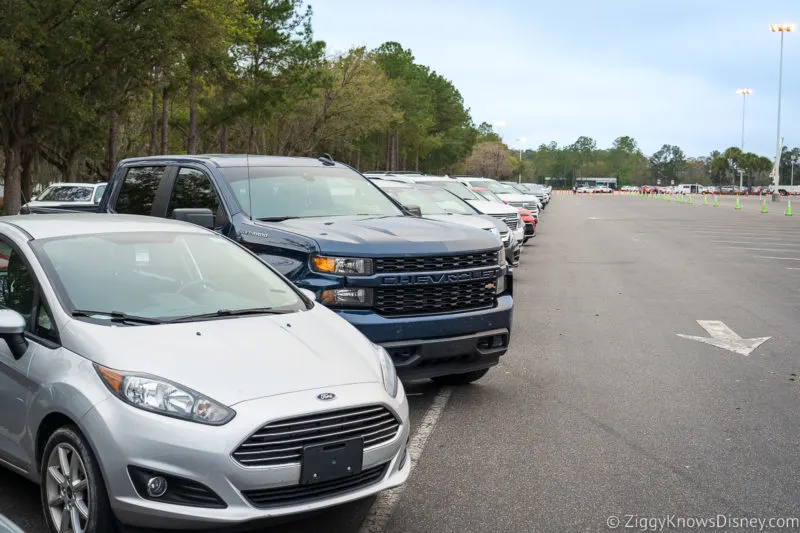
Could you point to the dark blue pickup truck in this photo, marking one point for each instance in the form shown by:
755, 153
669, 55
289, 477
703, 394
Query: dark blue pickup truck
436, 295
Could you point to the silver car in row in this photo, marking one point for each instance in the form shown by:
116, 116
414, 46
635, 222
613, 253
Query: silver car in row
155, 374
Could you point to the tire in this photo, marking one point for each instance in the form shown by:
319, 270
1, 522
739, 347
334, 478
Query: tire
461, 379
90, 504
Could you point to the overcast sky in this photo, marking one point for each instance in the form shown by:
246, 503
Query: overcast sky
659, 71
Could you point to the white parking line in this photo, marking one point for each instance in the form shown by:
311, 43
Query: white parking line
758, 249
792, 268
384, 505
771, 257
756, 242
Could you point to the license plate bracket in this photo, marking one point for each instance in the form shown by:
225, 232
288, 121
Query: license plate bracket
331, 461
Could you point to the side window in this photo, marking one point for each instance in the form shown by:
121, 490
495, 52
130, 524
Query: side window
139, 190
98, 193
44, 326
16, 282
193, 189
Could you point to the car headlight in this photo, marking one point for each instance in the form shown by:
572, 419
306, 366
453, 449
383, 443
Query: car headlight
501, 257
342, 265
164, 397
388, 371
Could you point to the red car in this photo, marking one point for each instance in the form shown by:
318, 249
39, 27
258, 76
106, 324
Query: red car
530, 223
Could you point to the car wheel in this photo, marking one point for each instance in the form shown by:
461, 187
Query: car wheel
461, 379
74, 496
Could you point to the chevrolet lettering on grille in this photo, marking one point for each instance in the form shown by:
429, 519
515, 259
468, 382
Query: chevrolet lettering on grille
438, 279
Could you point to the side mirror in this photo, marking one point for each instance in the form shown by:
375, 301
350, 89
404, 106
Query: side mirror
202, 216
12, 329
309, 294
414, 210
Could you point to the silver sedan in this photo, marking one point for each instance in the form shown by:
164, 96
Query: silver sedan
155, 373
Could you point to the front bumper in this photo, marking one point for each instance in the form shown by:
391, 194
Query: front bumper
436, 345
530, 229
124, 436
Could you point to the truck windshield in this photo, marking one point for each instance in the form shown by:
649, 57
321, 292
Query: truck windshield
66, 193
299, 192
430, 201
161, 276
493, 186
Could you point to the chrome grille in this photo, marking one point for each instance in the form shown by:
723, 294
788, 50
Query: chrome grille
434, 263
297, 494
282, 442
511, 221
432, 299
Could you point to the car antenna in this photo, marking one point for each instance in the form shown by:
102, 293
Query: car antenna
249, 189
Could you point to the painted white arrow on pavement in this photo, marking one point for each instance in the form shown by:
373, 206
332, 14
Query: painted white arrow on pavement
724, 337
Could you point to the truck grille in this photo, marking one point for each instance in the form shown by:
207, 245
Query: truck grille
530, 206
434, 263
297, 494
511, 221
282, 442
431, 299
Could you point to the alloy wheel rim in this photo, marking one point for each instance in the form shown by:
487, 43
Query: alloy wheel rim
67, 489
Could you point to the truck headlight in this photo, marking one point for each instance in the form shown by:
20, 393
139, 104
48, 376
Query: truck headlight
388, 371
164, 397
348, 297
501, 285
342, 265
501, 257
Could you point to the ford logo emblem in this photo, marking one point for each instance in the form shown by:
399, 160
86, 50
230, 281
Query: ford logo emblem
325, 396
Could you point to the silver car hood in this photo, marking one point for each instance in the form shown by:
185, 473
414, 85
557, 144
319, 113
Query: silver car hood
236, 359
474, 221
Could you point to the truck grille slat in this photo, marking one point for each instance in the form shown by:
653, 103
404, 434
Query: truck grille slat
429, 299
282, 443
511, 221
402, 265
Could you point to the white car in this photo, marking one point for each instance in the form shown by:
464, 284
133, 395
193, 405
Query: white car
505, 192
68, 195
509, 215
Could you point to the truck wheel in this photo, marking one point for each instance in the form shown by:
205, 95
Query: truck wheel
461, 379
74, 495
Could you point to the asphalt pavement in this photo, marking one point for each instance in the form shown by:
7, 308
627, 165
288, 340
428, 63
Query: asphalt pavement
601, 414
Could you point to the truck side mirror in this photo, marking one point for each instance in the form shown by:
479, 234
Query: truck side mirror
202, 216
414, 210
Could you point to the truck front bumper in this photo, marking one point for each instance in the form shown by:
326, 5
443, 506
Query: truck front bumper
437, 345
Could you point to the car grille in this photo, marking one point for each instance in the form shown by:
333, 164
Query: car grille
530, 206
511, 221
282, 442
434, 263
297, 494
431, 299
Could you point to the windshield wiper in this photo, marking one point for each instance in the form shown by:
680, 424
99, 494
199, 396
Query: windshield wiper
274, 219
232, 312
117, 316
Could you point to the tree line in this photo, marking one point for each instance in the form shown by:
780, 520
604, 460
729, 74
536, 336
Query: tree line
624, 160
85, 83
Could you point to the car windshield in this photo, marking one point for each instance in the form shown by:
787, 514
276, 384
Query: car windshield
493, 186
455, 187
299, 192
66, 193
161, 275
490, 196
430, 201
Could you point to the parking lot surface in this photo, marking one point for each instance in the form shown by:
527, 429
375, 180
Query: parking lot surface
600, 409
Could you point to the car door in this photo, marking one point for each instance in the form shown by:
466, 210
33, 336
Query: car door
19, 291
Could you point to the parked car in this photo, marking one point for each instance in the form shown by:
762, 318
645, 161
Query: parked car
523, 188
530, 224
508, 194
501, 211
490, 196
72, 196
439, 204
180, 382
330, 230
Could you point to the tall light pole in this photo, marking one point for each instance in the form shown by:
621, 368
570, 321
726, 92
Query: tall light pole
520, 140
744, 93
779, 28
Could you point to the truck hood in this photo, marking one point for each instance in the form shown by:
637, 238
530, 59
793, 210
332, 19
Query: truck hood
493, 208
236, 359
388, 236
476, 221
516, 197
